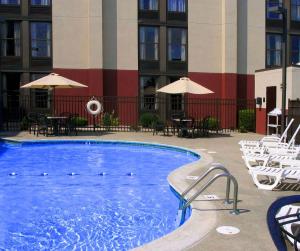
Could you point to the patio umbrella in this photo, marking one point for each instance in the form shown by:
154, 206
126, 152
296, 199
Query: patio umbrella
52, 82
184, 85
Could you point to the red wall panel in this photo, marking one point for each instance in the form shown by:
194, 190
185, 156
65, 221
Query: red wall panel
93, 78
261, 118
226, 85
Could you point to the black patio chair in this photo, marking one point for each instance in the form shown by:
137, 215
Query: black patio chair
63, 124
72, 125
175, 118
44, 126
201, 128
68, 125
159, 126
32, 119
287, 226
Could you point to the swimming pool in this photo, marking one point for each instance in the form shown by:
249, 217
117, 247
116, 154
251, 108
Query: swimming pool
86, 195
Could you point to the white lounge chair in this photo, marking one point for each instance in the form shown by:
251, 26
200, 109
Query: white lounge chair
268, 140
288, 218
275, 148
254, 160
275, 175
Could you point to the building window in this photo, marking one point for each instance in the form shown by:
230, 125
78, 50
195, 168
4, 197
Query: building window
177, 44
149, 43
40, 39
274, 50
41, 2
295, 5
271, 14
10, 2
149, 5
41, 97
176, 103
148, 87
176, 6
295, 49
11, 39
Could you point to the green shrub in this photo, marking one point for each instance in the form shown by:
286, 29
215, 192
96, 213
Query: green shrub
147, 119
79, 121
213, 124
106, 119
109, 119
247, 120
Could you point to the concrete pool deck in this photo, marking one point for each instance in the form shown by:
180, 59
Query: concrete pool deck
199, 233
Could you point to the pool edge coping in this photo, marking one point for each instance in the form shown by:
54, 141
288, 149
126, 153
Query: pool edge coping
187, 235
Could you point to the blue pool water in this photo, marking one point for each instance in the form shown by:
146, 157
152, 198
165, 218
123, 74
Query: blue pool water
58, 199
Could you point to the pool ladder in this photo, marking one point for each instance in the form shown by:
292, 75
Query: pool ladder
184, 204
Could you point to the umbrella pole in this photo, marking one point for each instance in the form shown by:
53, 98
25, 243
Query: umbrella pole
53, 97
185, 105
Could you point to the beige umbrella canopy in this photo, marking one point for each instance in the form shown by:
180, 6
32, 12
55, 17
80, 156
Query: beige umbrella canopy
53, 81
184, 85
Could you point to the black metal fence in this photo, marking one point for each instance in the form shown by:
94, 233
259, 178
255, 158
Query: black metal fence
294, 112
123, 113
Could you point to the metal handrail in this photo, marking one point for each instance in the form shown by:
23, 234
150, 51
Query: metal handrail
216, 166
183, 205
211, 181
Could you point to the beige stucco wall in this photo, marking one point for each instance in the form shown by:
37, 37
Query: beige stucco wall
120, 34
251, 36
229, 36
296, 83
95, 34
205, 35
77, 34
274, 78
224, 35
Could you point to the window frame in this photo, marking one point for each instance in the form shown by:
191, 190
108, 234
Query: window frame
177, 12
273, 19
47, 93
5, 39
145, 10
155, 96
280, 50
291, 49
50, 40
11, 4
291, 12
157, 43
40, 5
186, 45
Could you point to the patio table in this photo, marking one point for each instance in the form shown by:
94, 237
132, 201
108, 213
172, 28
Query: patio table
55, 123
181, 124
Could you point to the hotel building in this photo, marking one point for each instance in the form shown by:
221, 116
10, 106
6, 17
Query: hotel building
130, 48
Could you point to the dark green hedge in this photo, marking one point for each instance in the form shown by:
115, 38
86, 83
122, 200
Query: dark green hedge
213, 124
148, 119
247, 120
109, 119
79, 121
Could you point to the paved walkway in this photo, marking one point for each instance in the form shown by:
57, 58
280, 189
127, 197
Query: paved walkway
224, 149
